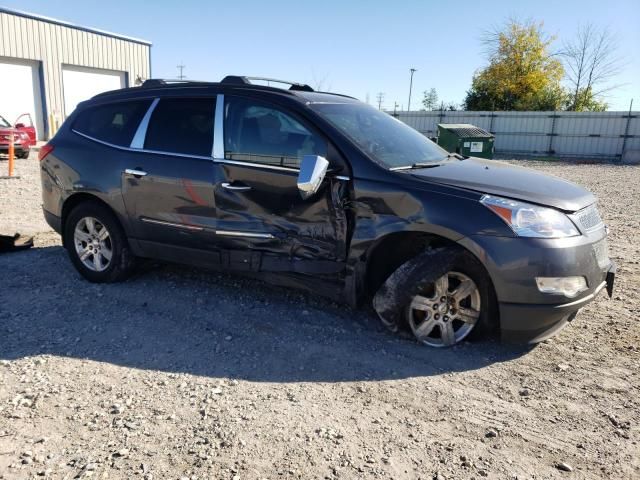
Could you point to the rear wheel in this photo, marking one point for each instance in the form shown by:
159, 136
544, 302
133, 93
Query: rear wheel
23, 154
97, 245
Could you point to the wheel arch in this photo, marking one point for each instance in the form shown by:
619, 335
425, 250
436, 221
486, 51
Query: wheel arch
83, 197
390, 251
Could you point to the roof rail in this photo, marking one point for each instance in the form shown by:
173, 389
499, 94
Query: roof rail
228, 80
159, 82
153, 82
241, 80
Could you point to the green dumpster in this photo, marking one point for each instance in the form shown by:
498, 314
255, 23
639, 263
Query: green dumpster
465, 139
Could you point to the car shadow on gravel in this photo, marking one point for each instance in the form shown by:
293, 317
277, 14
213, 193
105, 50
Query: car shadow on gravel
184, 320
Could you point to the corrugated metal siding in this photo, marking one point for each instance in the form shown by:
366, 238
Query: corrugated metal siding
56, 45
566, 134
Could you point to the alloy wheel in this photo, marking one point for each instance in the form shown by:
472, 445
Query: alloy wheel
446, 312
93, 244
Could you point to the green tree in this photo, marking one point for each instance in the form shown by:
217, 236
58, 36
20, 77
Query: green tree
585, 100
430, 99
521, 75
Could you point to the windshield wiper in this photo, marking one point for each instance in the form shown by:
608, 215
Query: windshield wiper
428, 164
415, 165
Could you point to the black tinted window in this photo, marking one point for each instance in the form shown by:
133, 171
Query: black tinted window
259, 133
182, 125
115, 123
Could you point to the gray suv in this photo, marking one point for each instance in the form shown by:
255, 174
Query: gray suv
320, 191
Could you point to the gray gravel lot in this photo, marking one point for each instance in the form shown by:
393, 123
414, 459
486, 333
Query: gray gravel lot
183, 373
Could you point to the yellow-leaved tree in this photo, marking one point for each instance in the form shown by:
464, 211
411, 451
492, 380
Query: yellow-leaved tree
522, 73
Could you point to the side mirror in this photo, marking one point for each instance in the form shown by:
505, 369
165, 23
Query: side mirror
313, 168
20, 125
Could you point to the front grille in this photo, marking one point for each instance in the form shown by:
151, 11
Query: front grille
589, 218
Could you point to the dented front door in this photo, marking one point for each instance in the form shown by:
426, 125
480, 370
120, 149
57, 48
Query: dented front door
257, 148
260, 209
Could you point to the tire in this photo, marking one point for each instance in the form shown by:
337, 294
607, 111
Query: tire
413, 298
23, 155
97, 245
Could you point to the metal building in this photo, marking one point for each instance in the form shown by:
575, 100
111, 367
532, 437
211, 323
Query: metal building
48, 66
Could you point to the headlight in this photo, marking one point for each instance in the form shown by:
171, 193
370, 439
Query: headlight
528, 220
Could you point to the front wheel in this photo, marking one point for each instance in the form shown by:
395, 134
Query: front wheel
97, 245
446, 311
443, 296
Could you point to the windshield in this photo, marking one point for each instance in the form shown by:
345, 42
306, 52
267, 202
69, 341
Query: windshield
384, 138
3, 122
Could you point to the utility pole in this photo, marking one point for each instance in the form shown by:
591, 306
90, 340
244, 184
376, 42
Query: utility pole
181, 67
380, 98
412, 70
395, 109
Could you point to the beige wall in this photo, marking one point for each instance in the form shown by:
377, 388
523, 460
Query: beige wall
56, 45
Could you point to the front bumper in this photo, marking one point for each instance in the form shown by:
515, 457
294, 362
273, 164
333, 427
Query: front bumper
513, 263
533, 323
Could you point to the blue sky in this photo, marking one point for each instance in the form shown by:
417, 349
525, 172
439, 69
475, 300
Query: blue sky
359, 48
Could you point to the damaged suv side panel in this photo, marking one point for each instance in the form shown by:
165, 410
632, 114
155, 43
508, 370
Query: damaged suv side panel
319, 191
427, 215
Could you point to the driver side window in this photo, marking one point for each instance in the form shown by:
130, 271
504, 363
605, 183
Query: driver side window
259, 133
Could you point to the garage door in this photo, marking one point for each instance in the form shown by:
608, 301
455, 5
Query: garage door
81, 83
20, 92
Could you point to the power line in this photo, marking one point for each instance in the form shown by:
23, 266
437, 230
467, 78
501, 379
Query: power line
181, 68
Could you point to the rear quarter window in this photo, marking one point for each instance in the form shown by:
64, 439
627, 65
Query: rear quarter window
114, 123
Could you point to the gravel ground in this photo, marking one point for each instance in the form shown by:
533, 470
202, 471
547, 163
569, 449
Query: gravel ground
181, 373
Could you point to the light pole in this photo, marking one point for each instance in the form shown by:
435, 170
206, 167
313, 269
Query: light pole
412, 70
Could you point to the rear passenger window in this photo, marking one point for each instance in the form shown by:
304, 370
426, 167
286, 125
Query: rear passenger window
259, 133
182, 125
114, 123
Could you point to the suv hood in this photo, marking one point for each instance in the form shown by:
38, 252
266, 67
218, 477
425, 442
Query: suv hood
490, 176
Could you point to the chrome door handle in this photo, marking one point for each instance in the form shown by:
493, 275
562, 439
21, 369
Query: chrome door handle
135, 172
237, 188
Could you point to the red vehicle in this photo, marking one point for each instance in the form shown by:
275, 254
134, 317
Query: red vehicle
25, 124
23, 136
